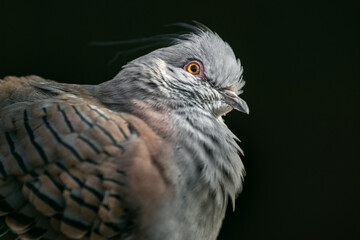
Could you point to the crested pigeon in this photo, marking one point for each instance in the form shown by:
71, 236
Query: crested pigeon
144, 156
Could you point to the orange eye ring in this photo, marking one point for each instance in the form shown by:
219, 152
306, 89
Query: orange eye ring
193, 68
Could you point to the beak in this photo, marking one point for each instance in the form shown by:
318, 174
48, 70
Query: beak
235, 101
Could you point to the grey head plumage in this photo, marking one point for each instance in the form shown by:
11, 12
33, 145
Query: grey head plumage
161, 76
197, 80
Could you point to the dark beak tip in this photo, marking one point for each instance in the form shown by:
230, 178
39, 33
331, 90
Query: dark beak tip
247, 111
242, 106
235, 101
244, 109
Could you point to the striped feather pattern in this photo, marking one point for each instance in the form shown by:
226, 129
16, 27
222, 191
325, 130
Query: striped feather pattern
61, 171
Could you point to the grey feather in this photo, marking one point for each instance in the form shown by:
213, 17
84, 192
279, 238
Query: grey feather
207, 157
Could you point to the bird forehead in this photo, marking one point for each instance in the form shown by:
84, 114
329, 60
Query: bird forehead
221, 67
210, 46
215, 51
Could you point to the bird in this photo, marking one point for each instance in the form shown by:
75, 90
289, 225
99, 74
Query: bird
145, 155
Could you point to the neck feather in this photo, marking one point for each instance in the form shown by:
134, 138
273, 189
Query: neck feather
210, 154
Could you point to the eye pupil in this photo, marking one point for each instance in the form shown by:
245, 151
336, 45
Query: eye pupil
193, 68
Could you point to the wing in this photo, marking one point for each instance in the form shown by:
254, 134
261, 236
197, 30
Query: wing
70, 169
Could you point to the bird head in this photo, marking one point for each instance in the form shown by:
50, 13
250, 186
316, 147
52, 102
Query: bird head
198, 70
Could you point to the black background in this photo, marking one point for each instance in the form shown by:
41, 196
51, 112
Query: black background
301, 63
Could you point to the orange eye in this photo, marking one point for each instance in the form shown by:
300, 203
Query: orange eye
193, 68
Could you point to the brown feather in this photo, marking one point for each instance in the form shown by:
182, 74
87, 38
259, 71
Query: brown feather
84, 171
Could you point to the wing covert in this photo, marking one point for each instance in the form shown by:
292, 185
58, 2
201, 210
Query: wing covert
61, 169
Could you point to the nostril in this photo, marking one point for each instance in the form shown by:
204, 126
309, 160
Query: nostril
231, 94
